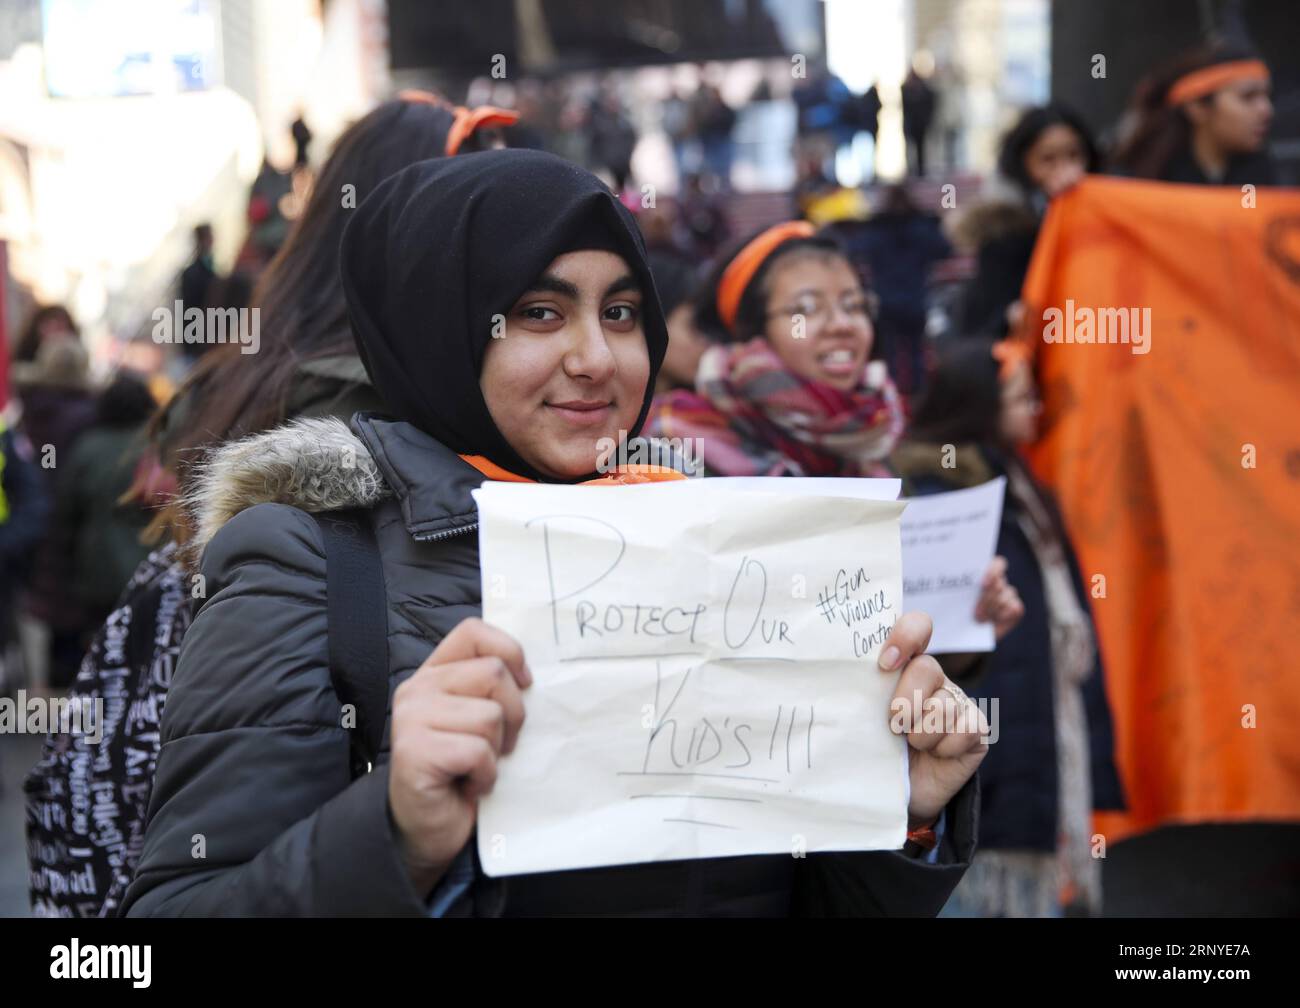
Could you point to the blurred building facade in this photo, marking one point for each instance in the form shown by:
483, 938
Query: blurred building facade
124, 125
988, 59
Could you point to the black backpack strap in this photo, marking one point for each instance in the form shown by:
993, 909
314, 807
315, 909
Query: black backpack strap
358, 624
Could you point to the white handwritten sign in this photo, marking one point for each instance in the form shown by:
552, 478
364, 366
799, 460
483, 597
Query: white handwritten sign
948, 544
705, 673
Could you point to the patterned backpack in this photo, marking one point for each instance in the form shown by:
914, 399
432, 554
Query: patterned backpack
88, 797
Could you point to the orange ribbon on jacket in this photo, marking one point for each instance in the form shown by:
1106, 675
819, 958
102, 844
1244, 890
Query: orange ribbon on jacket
624, 475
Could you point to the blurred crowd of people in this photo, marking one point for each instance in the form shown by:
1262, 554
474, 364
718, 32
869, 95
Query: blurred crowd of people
76, 450
907, 312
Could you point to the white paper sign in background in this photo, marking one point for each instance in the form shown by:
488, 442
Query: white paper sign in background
705, 673
948, 544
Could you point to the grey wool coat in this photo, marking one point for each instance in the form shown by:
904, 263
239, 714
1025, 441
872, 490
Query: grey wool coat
255, 763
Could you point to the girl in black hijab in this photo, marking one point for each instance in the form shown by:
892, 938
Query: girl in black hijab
504, 312
436, 267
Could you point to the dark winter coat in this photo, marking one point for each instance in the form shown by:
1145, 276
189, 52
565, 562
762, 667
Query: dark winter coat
98, 535
1018, 779
24, 512
1004, 235
57, 416
254, 758
54, 419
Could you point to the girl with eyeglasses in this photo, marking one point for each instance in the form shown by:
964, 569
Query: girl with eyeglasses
790, 388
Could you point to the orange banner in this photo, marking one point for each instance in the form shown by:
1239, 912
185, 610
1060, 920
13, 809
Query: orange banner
1166, 320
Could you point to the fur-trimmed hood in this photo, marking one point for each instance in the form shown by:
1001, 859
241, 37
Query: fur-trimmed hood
959, 465
991, 220
314, 465
324, 464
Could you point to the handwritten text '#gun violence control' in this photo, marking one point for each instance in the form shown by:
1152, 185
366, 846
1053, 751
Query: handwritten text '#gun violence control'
748, 616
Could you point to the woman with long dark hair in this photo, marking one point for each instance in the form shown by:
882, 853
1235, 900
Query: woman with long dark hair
306, 366
1053, 762
1202, 119
307, 363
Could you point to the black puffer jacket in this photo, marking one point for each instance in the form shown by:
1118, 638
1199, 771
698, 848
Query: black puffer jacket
254, 811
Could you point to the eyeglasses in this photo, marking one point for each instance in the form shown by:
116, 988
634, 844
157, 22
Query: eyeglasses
816, 310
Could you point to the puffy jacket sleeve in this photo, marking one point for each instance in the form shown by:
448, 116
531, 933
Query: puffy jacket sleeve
890, 883
253, 810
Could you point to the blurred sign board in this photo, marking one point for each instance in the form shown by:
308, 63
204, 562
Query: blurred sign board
107, 49
547, 36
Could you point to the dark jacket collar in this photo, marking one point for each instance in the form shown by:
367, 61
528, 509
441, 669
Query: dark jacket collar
430, 481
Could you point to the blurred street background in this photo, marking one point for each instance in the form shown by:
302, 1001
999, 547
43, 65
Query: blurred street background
118, 135
155, 150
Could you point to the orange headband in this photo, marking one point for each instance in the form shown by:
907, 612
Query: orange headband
1200, 83
741, 270
467, 120
1010, 354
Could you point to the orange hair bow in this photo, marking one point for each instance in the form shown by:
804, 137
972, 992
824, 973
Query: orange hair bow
466, 120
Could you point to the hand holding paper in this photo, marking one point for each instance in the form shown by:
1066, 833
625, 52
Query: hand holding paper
947, 734
707, 676
451, 720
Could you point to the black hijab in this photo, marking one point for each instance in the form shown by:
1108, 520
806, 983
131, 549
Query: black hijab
441, 247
